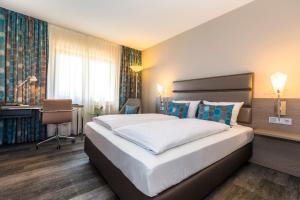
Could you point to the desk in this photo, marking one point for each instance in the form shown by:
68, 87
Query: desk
7, 112
20, 124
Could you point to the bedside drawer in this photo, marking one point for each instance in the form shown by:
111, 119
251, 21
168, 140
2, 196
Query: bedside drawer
279, 154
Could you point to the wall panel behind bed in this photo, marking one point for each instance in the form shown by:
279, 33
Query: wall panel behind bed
235, 88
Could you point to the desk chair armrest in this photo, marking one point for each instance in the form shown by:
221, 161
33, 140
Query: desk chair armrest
54, 111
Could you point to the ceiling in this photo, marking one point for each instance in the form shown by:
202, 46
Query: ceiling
138, 24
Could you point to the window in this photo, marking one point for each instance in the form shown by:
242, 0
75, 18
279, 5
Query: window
68, 77
84, 69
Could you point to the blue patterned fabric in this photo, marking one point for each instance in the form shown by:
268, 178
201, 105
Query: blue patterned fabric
215, 113
23, 53
178, 109
2, 57
128, 77
22, 130
131, 109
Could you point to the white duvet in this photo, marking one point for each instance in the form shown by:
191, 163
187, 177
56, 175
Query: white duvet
112, 122
160, 136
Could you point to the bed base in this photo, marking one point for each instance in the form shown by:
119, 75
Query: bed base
195, 187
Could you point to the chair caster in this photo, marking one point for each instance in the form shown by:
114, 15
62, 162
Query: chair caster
58, 147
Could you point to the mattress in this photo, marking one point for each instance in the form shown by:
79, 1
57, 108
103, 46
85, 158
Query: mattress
152, 174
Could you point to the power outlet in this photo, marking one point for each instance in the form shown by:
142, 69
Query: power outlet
281, 120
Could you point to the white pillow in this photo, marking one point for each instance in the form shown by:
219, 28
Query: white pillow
235, 111
192, 108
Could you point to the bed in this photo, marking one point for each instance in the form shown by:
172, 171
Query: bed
190, 171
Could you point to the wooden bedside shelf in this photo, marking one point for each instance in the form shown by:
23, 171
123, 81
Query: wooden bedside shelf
278, 134
277, 150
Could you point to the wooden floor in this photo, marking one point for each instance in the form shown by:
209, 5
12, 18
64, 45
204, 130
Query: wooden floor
67, 174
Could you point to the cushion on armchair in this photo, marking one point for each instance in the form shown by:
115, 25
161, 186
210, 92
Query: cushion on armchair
131, 109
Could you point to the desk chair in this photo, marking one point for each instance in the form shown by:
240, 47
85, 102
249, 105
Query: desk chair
56, 112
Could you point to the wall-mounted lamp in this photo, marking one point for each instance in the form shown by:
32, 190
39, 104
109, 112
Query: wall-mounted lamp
160, 90
278, 81
31, 79
136, 69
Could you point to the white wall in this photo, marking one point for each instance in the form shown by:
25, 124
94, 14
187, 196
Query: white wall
262, 37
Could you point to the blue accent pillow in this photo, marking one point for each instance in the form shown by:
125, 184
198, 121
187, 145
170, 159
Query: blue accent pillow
178, 109
216, 113
131, 109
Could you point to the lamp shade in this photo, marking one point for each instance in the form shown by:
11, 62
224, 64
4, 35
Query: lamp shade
278, 81
159, 88
136, 68
32, 79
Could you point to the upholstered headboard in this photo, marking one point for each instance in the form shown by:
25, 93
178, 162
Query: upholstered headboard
234, 88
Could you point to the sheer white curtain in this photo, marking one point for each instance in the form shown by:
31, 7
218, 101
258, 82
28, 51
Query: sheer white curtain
83, 68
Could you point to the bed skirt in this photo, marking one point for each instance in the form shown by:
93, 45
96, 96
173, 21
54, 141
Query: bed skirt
195, 187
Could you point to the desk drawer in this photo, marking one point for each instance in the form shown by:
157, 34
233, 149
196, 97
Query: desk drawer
14, 113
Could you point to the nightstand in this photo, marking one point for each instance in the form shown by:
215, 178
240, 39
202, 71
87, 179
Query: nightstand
277, 150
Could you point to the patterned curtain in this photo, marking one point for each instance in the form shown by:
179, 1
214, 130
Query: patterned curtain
128, 77
23, 53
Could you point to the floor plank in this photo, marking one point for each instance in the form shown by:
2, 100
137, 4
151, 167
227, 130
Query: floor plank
47, 173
